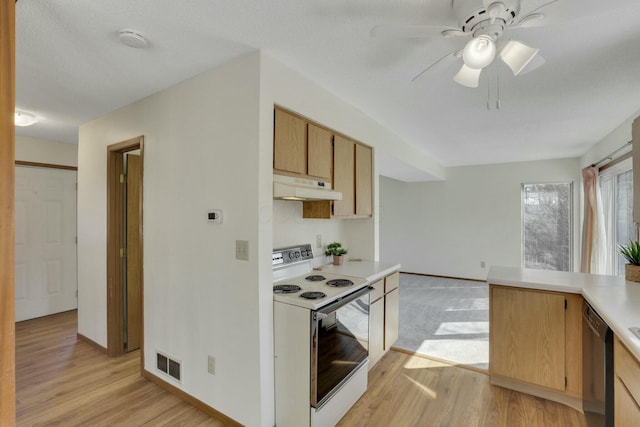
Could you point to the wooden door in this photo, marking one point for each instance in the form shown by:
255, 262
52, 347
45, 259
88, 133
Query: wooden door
134, 252
45, 242
289, 143
528, 336
344, 176
364, 180
320, 157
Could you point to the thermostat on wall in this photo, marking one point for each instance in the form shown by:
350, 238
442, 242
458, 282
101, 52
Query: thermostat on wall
214, 216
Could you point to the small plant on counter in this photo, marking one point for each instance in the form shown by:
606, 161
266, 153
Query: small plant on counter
337, 251
631, 253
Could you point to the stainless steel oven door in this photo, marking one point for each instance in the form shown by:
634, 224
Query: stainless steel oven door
339, 344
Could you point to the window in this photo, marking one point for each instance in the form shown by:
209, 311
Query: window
546, 226
616, 189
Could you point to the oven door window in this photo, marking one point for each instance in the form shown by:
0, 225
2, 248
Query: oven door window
342, 346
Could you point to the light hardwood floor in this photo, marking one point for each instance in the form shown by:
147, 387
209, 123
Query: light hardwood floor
412, 391
65, 382
61, 381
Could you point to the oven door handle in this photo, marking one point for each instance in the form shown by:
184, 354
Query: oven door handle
343, 301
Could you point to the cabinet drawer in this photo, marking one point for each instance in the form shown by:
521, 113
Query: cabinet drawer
627, 368
391, 282
378, 291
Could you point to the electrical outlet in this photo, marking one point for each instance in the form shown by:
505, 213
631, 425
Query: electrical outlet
242, 250
482, 264
211, 365
318, 240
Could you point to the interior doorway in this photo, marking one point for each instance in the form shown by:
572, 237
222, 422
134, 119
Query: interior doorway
45, 240
125, 246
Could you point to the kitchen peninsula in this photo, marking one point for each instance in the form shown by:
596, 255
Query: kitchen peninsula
536, 333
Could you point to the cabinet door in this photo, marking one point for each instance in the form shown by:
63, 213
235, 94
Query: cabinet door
320, 157
626, 410
343, 176
391, 317
528, 336
289, 143
364, 179
376, 331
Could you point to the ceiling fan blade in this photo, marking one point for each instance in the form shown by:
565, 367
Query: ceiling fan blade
467, 76
409, 31
517, 55
530, 20
455, 54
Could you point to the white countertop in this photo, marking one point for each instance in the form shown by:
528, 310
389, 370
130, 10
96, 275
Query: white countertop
372, 271
616, 300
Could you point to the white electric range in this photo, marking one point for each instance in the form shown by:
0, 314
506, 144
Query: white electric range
320, 344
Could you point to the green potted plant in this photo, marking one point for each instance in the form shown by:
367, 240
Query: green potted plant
631, 253
337, 251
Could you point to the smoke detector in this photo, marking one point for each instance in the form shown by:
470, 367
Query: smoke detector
132, 38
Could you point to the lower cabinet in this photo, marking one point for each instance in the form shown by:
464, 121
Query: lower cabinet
626, 386
535, 343
383, 316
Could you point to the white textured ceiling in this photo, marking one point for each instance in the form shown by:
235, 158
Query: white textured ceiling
70, 67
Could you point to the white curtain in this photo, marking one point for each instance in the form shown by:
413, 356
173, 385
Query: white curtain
602, 261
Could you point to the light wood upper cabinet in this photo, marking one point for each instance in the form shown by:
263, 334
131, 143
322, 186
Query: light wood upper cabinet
352, 175
364, 180
289, 143
635, 149
344, 175
535, 340
320, 152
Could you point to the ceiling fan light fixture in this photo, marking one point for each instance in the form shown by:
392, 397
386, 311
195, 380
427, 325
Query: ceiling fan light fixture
21, 118
467, 76
517, 55
479, 52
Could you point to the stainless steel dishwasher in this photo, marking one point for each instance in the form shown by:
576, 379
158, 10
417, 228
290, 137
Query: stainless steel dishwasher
597, 368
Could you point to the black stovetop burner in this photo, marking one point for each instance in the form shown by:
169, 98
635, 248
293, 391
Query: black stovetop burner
340, 283
312, 295
315, 278
286, 289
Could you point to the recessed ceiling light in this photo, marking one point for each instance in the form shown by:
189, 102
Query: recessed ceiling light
21, 118
132, 38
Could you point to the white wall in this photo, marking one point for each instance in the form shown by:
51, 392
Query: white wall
612, 142
201, 152
44, 151
447, 228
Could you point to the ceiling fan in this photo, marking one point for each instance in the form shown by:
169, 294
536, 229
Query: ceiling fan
486, 24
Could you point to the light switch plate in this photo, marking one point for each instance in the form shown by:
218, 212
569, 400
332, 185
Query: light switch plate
242, 250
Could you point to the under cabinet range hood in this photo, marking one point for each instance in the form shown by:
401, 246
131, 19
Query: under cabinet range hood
292, 188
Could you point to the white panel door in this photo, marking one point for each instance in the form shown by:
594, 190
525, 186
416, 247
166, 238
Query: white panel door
45, 234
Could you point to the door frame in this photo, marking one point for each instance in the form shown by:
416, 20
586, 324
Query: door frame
7, 190
115, 241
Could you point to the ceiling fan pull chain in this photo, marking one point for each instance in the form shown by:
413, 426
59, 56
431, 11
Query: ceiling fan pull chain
498, 90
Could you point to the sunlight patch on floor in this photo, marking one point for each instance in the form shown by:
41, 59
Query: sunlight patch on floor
467, 352
462, 328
